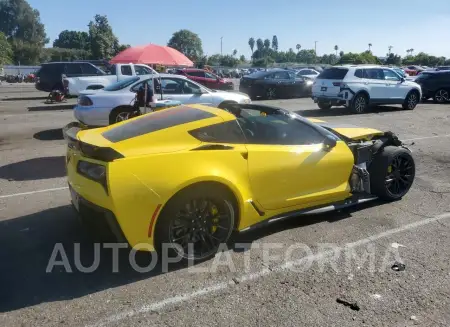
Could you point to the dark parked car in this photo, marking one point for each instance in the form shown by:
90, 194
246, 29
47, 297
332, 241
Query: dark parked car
275, 83
435, 84
49, 76
206, 78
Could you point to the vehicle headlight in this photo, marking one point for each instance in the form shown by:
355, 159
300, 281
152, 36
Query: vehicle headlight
309, 82
247, 100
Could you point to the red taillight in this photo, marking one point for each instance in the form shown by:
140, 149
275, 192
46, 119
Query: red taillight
84, 101
338, 84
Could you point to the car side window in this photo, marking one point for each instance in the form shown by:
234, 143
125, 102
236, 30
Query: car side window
196, 74
281, 75
227, 132
269, 76
374, 73
126, 70
278, 130
172, 86
89, 69
359, 73
389, 75
73, 69
208, 75
141, 70
292, 75
137, 86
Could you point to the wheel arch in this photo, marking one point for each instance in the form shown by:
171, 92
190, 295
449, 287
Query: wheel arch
214, 181
121, 107
225, 102
364, 92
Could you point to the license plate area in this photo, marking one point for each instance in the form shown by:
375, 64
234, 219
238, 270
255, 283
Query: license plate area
323, 88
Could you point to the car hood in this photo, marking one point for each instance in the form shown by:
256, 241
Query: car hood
349, 131
231, 95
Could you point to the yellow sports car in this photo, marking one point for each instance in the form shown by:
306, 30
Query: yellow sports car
189, 176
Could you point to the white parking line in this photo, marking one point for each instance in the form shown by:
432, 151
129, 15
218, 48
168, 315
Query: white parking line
249, 277
33, 192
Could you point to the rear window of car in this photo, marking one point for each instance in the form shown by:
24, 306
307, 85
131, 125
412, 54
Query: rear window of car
155, 122
424, 76
121, 84
333, 73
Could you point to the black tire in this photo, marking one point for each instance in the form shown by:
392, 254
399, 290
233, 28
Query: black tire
383, 175
360, 104
114, 116
441, 96
324, 106
271, 93
199, 227
411, 100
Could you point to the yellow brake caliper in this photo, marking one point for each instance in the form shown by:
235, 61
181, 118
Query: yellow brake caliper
215, 221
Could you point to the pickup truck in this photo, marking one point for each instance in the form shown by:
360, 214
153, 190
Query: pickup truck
74, 85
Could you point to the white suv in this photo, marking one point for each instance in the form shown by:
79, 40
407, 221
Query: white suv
358, 87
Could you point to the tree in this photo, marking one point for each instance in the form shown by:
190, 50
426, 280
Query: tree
266, 44
298, 47
411, 50
63, 54
72, 40
242, 58
122, 47
6, 53
390, 49
370, 46
341, 53
393, 59
275, 43
188, 43
336, 48
104, 43
234, 52
259, 44
251, 43
22, 27
306, 56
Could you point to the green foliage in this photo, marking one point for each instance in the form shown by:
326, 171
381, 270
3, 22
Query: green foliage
266, 44
242, 58
424, 59
393, 59
73, 40
306, 56
188, 43
275, 43
6, 52
365, 57
62, 54
21, 24
259, 44
219, 60
251, 43
104, 44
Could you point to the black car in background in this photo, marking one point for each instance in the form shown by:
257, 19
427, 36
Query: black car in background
49, 76
435, 84
275, 83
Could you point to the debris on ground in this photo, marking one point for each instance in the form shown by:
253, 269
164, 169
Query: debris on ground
397, 245
398, 266
347, 303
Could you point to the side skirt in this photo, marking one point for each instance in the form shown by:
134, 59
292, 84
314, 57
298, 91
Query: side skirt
311, 211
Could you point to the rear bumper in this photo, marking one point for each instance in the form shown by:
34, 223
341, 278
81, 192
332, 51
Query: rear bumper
99, 220
334, 101
92, 116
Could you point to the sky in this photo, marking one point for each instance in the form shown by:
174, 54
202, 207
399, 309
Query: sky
350, 24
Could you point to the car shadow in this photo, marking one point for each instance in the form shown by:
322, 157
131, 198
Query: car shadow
342, 111
34, 169
50, 107
49, 135
27, 244
24, 98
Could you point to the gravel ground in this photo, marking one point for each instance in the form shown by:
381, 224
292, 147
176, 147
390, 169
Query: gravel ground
35, 215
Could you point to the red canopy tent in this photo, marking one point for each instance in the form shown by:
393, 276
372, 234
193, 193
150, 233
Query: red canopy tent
152, 54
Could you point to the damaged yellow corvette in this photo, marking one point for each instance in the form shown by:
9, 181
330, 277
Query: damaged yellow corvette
191, 175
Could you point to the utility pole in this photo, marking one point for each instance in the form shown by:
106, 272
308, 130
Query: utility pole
221, 45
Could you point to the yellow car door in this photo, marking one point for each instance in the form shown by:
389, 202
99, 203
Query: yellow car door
289, 165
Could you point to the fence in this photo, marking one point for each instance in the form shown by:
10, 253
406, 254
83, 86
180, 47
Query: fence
16, 70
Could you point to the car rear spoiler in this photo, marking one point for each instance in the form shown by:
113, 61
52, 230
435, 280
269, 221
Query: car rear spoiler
106, 154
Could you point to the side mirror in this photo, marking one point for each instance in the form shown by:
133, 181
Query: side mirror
402, 80
329, 143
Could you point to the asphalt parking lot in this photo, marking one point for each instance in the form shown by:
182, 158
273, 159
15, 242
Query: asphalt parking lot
343, 272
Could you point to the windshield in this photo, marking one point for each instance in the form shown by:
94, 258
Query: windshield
121, 84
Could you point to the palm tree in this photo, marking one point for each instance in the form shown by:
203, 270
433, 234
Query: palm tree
408, 51
251, 43
298, 47
370, 46
411, 50
390, 48
336, 48
234, 52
